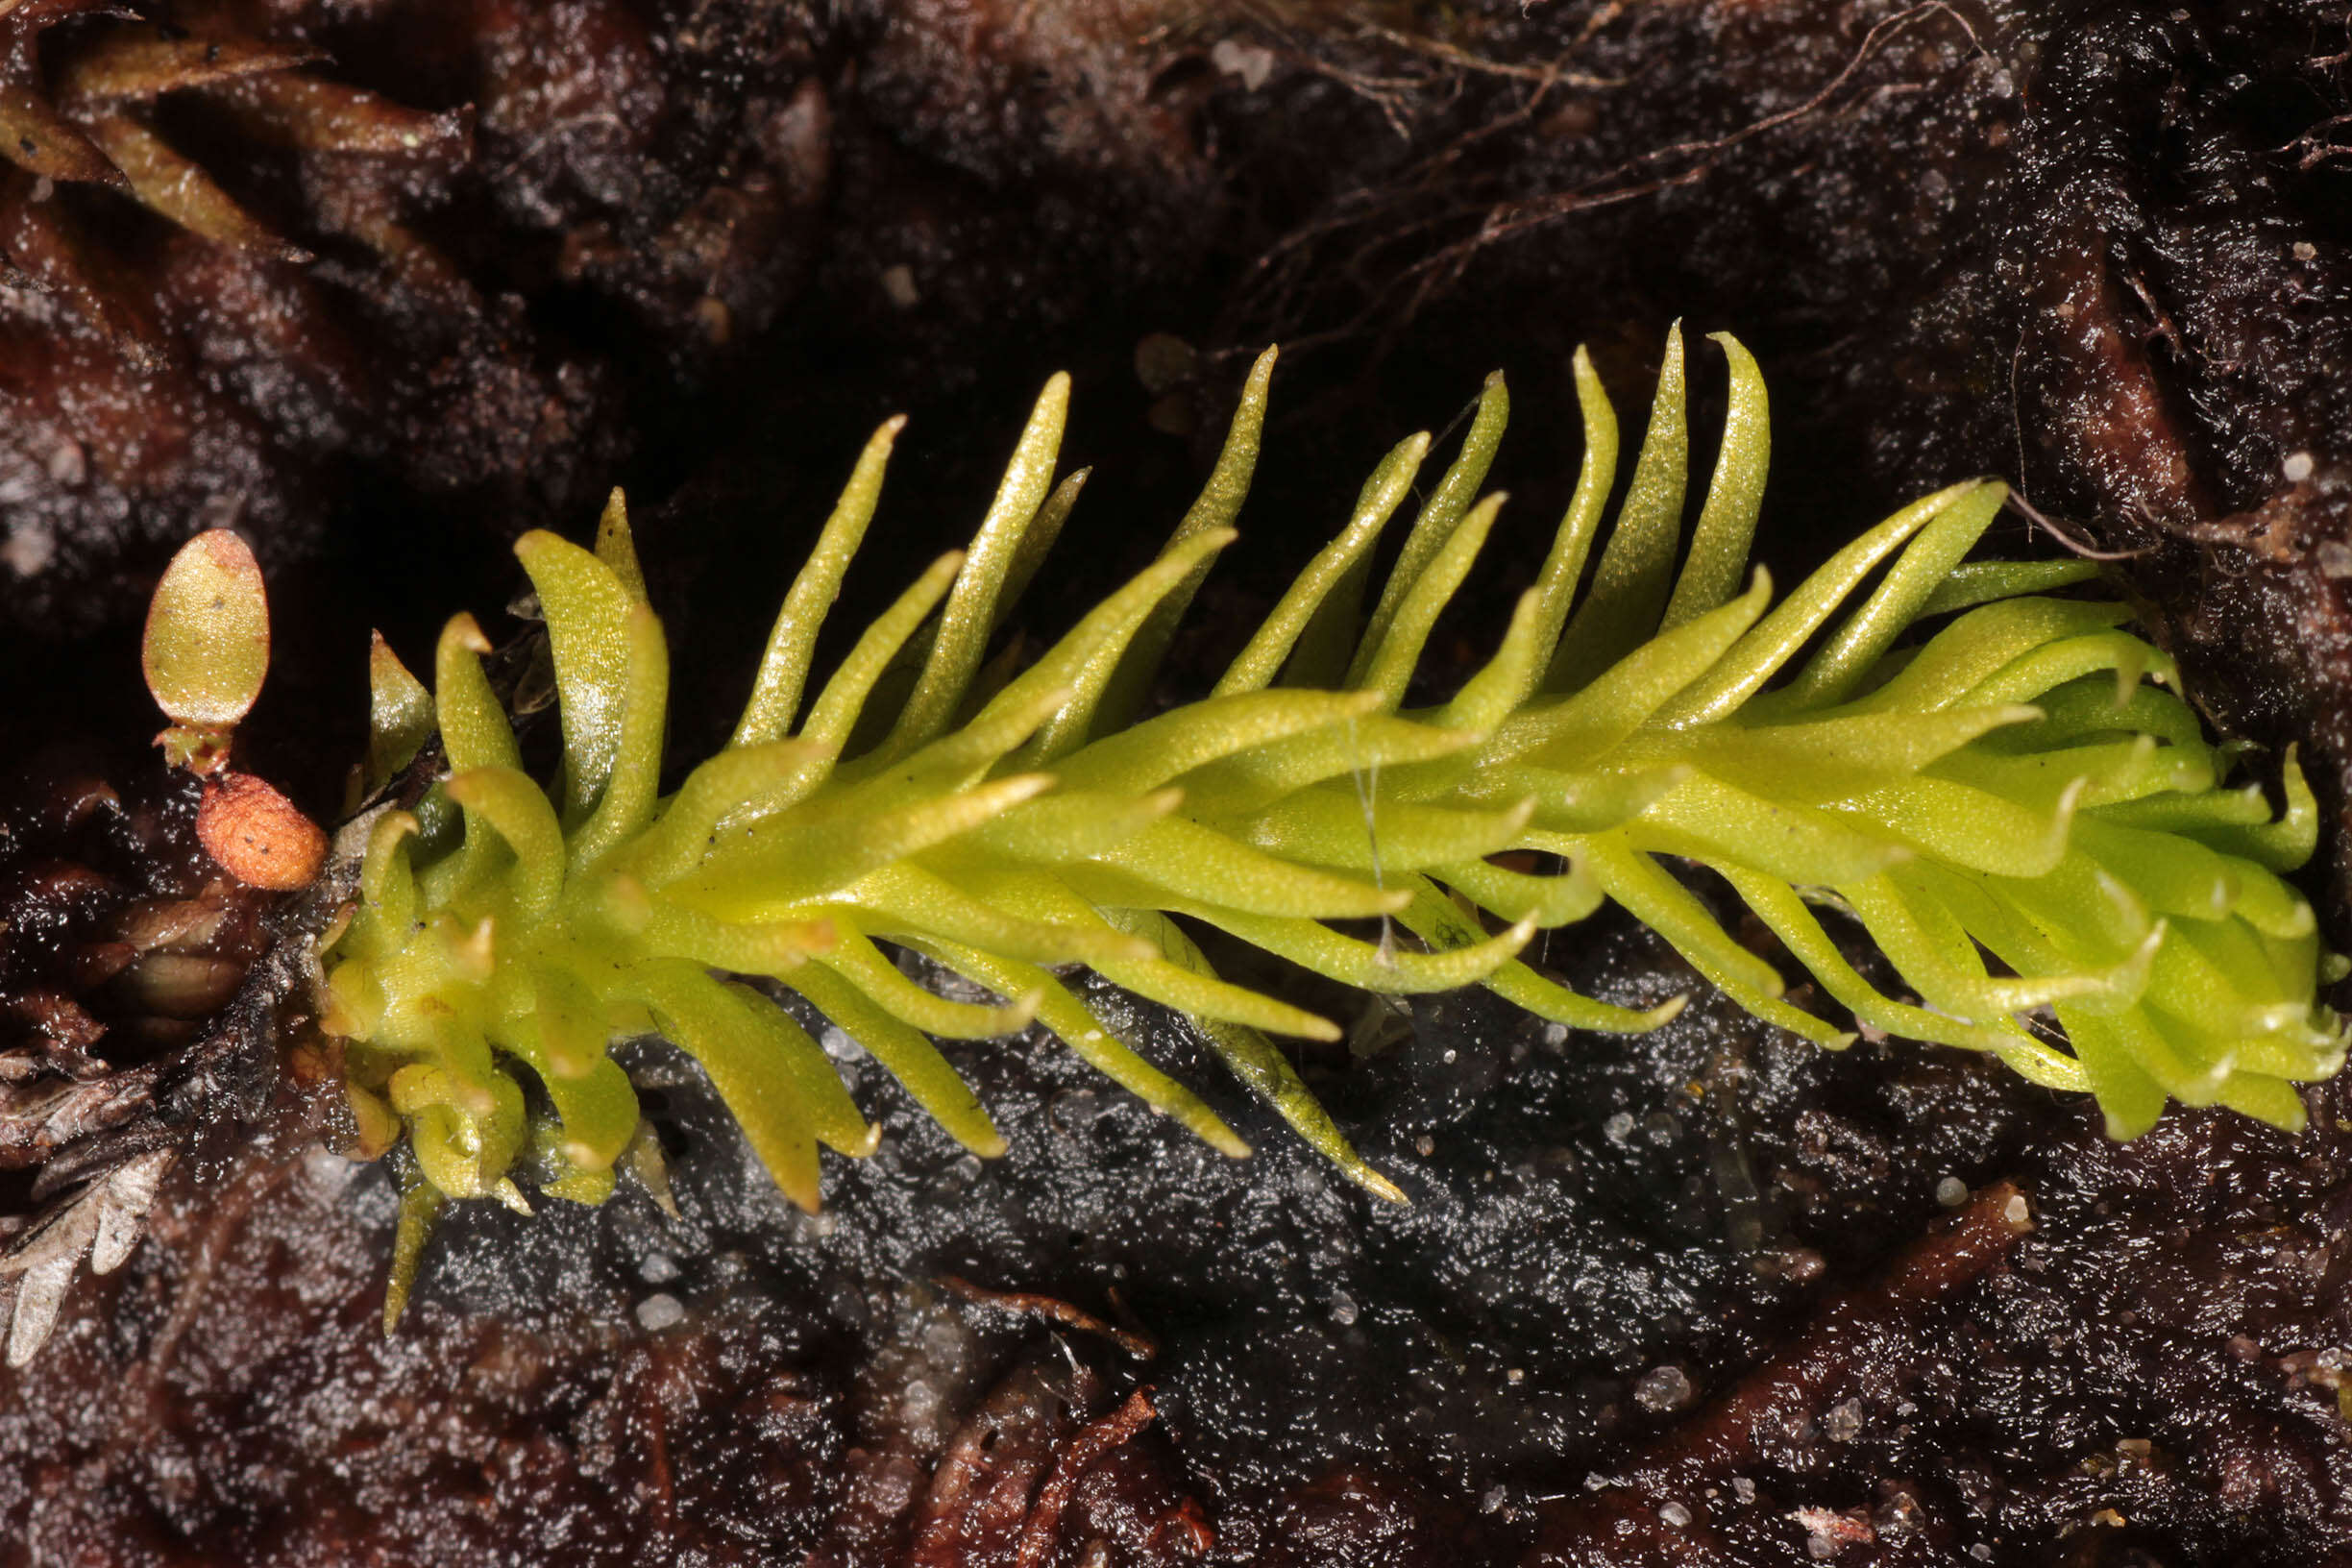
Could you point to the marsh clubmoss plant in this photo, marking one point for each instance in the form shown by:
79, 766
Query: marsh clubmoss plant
1993, 780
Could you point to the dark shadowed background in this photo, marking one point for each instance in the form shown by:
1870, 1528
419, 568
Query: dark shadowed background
452, 268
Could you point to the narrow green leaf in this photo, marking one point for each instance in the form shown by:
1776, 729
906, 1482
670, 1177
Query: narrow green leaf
784, 668
1219, 506
1334, 825
781, 864
1980, 582
512, 804
843, 701
1434, 530
909, 900
748, 1066
1386, 968
1551, 901
1324, 599
927, 1076
862, 964
1186, 860
625, 804
1629, 587
971, 610
1085, 659
1174, 744
1086, 1035
1664, 905
1728, 519
1924, 566
1577, 731
587, 608
833, 1115
1564, 567
1977, 645
399, 716
1776, 639
1707, 820
1393, 657
1268, 1074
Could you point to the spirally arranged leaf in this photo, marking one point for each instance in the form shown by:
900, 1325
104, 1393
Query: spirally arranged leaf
1990, 776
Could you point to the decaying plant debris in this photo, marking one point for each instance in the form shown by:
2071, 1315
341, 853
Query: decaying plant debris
2103, 251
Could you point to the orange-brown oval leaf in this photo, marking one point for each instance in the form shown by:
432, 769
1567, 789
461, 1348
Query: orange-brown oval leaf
258, 835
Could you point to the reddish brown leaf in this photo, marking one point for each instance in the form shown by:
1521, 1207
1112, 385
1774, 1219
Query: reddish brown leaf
41, 240
35, 137
313, 115
138, 62
180, 189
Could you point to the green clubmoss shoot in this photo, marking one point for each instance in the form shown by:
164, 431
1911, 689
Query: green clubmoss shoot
2013, 802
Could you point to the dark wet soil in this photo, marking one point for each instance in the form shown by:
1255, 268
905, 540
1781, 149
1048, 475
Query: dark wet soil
1711, 1296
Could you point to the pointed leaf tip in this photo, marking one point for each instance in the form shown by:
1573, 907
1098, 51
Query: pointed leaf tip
465, 633
616, 547
400, 714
